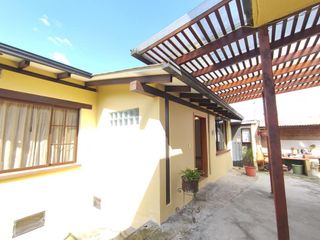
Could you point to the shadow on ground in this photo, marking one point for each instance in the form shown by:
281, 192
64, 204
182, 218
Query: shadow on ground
240, 207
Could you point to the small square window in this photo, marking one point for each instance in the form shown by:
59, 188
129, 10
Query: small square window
125, 118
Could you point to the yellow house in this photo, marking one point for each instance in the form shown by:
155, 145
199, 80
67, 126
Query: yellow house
82, 151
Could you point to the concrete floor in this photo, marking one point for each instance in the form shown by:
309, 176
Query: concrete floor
240, 207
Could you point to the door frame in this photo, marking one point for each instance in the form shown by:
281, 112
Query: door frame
204, 142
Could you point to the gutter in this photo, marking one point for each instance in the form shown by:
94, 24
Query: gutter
195, 84
16, 52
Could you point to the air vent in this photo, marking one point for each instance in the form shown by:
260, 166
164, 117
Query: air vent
28, 224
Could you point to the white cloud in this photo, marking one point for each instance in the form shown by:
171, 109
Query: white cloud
58, 41
60, 57
53, 40
44, 19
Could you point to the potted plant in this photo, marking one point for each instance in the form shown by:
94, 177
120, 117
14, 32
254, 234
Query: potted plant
190, 180
248, 162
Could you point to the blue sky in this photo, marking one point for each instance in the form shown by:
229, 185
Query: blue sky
93, 35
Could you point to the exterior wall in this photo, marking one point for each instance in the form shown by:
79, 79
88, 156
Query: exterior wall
124, 167
127, 178
221, 162
182, 154
255, 140
300, 137
59, 192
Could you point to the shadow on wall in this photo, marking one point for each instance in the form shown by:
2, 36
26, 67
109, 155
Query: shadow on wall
127, 175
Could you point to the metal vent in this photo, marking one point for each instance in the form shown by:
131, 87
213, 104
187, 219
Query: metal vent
28, 224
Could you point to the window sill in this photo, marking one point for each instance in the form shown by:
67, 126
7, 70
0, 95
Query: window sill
36, 172
222, 152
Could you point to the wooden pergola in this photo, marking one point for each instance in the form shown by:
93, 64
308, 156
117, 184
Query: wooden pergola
239, 58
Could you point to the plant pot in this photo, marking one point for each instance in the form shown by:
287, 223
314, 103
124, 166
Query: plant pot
250, 171
189, 186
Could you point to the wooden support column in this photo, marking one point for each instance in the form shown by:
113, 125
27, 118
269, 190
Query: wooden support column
273, 136
167, 132
265, 120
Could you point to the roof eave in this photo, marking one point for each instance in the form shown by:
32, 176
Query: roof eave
190, 81
16, 52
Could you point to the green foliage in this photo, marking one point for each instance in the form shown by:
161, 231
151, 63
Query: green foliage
247, 156
311, 147
191, 174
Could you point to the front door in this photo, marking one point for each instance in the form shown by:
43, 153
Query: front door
201, 145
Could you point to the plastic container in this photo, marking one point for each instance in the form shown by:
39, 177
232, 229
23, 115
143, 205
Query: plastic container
314, 166
297, 169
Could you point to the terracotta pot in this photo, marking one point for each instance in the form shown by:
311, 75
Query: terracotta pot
250, 171
189, 186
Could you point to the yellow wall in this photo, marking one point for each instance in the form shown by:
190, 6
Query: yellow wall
265, 12
123, 166
182, 155
128, 174
60, 194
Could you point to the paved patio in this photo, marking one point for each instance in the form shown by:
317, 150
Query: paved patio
239, 207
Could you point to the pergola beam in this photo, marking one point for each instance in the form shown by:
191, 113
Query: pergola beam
186, 25
218, 43
255, 52
276, 72
307, 82
298, 86
277, 81
283, 59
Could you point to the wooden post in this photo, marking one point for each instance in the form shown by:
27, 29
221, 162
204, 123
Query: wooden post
273, 136
167, 132
265, 120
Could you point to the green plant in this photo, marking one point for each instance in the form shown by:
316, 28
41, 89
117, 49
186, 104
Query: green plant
311, 147
247, 157
191, 174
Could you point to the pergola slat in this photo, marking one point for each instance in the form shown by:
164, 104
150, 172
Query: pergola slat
275, 62
311, 82
185, 26
277, 72
237, 66
246, 89
255, 52
219, 43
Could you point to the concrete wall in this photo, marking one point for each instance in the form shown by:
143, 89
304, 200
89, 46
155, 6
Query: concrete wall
59, 192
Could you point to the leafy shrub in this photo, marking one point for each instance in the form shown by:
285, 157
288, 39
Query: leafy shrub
191, 174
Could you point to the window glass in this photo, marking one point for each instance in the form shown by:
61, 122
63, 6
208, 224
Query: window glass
125, 118
221, 134
34, 135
